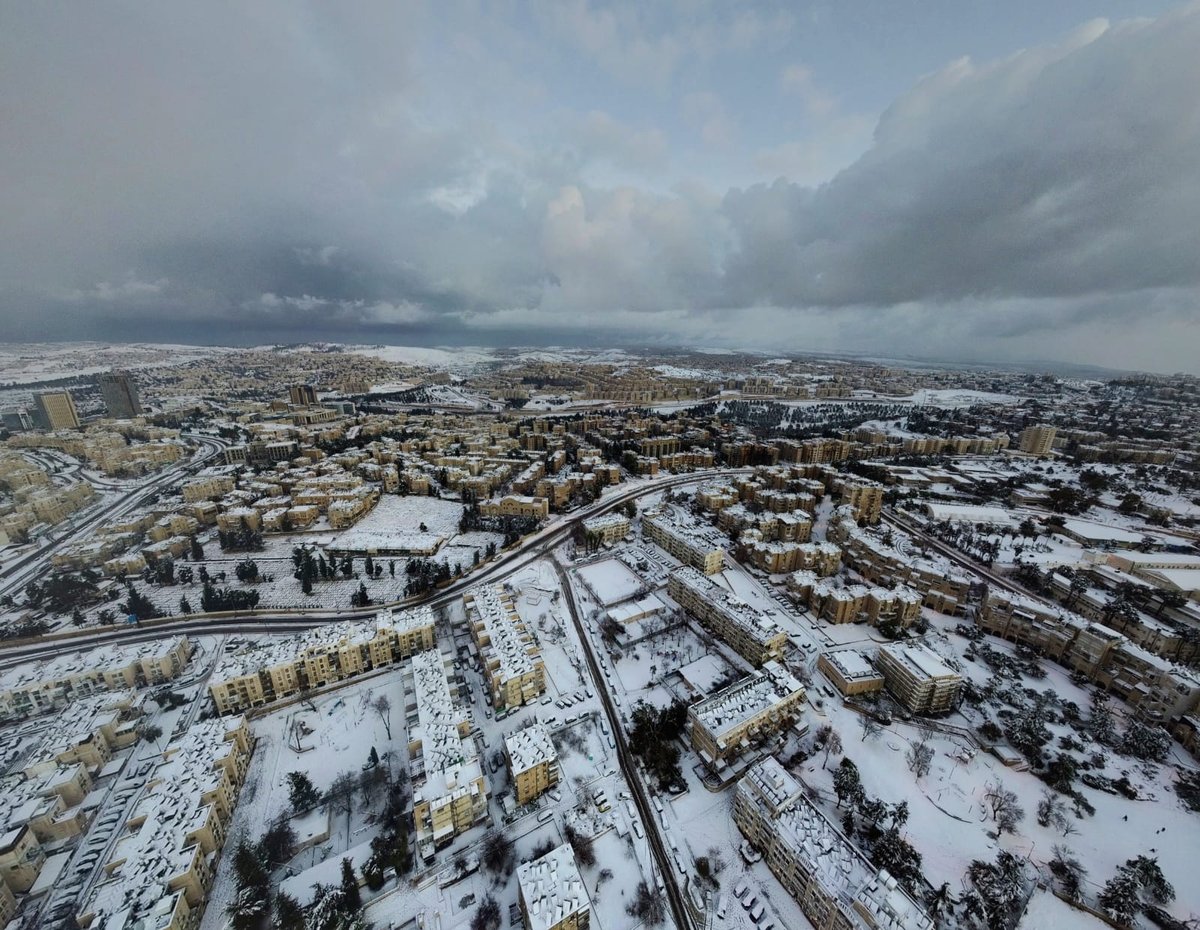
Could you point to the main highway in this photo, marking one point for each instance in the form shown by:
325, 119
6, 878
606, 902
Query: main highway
530, 549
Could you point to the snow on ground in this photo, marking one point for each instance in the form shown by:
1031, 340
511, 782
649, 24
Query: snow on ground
611, 580
335, 734
1045, 910
425, 356
395, 523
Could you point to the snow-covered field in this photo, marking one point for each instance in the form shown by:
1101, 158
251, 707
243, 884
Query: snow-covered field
395, 524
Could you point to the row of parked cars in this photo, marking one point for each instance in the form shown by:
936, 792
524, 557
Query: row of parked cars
744, 895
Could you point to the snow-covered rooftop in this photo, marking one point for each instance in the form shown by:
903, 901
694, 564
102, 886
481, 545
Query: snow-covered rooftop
502, 628
760, 626
732, 707
529, 747
552, 888
841, 870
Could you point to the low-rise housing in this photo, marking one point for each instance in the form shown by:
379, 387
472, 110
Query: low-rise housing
728, 723
918, 678
834, 884
532, 762
751, 633
552, 894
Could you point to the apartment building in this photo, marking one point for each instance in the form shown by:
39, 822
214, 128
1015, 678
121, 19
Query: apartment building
511, 659
206, 488
8, 902
899, 606
689, 542
751, 633
943, 587
532, 762
318, 657
551, 892
727, 724
55, 410
302, 395
850, 671
44, 685
449, 791
835, 885
515, 505
608, 528
161, 870
1037, 440
917, 678
21, 859
96, 727
120, 394
864, 497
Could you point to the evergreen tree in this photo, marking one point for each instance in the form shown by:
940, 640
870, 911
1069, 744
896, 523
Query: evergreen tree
846, 783
288, 913
350, 893
301, 793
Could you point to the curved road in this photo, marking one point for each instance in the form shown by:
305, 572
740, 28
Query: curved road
533, 547
23, 568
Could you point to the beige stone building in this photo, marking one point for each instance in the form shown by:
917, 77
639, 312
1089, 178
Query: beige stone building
318, 657
161, 870
850, 671
864, 497
551, 892
42, 686
511, 660
754, 635
514, 505
55, 410
609, 528
1037, 440
689, 542
449, 791
745, 715
532, 762
835, 885
918, 678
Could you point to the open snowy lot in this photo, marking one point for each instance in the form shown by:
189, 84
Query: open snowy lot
395, 524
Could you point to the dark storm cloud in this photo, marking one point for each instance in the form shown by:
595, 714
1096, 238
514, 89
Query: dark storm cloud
280, 168
1059, 173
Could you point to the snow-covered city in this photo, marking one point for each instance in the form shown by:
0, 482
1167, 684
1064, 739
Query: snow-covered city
774, 644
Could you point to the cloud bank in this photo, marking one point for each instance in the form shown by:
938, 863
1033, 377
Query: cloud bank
282, 171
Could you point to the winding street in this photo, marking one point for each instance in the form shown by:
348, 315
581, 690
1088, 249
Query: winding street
529, 549
31, 565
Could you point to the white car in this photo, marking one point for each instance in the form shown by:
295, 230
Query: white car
721, 906
740, 889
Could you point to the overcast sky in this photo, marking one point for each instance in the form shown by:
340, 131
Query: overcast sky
949, 179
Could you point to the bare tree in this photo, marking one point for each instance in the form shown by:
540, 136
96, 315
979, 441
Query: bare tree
340, 797
1004, 806
382, 705
871, 727
1052, 812
833, 744
920, 758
